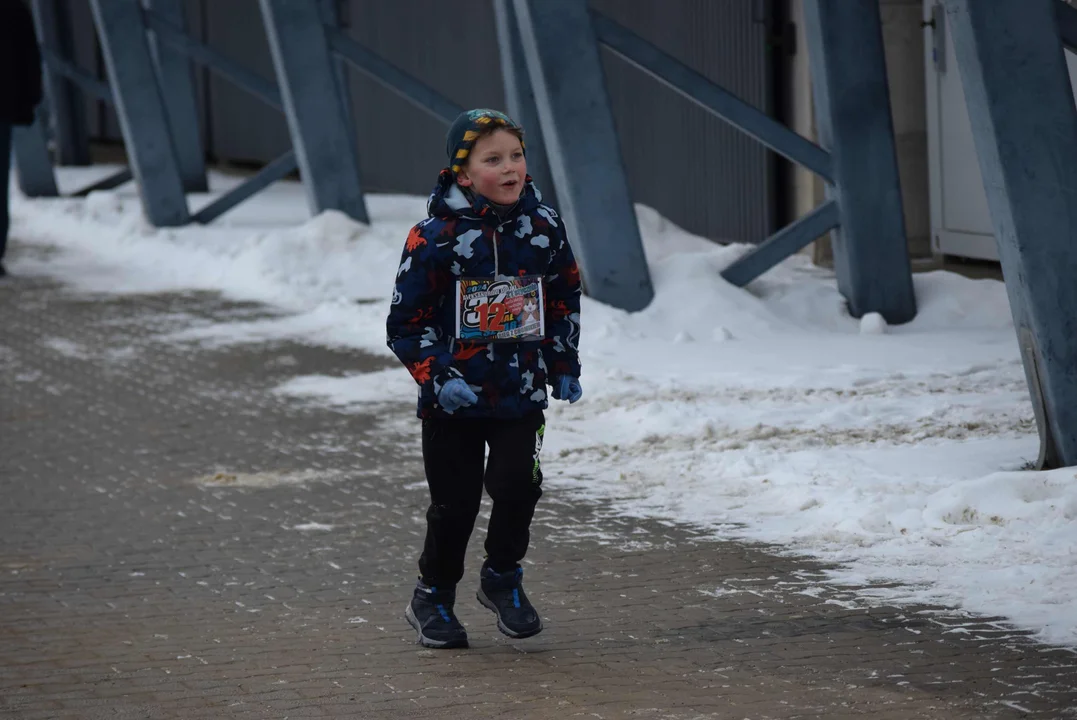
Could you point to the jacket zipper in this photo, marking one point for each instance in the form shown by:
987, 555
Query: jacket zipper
497, 271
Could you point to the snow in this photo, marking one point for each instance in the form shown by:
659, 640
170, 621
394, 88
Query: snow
313, 526
267, 479
765, 413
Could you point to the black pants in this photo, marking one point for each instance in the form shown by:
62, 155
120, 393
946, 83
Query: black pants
453, 455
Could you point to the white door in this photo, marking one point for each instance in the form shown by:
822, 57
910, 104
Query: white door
960, 221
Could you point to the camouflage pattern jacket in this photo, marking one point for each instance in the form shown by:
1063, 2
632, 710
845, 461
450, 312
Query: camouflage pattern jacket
466, 238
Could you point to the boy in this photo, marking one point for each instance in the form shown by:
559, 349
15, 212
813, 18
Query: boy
485, 313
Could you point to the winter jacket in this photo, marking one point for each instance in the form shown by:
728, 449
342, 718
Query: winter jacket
465, 238
20, 64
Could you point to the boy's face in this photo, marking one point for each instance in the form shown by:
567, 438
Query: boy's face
495, 168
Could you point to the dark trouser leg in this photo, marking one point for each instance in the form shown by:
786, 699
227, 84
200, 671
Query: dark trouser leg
453, 457
514, 482
5, 153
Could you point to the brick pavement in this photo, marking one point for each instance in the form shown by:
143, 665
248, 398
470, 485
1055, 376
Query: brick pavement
179, 542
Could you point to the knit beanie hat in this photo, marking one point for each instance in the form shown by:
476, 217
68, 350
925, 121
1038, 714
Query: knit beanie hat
465, 129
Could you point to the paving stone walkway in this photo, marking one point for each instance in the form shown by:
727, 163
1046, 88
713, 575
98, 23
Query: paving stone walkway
178, 541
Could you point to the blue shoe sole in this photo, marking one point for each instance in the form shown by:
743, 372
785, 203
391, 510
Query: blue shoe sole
506, 630
430, 642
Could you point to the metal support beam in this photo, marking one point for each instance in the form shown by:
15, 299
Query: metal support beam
324, 143
712, 97
394, 79
1066, 15
271, 173
783, 243
66, 110
33, 166
581, 143
852, 104
177, 86
331, 13
141, 110
107, 183
86, 82
165, 31
37, 177
520, 97
1024, 124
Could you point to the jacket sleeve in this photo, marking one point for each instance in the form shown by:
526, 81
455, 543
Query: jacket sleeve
560, 349
412, 330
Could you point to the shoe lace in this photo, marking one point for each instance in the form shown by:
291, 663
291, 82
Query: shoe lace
440, 607
517, 577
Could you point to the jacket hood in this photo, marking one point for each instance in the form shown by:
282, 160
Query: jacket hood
448, 198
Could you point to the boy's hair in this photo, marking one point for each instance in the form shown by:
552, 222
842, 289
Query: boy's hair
472, 126
487, 131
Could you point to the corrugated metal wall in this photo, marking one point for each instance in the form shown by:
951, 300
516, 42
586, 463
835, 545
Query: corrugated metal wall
450, 45
241, 127
681, 160
691, 167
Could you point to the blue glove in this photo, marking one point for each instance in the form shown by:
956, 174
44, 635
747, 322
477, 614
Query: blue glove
567, 388
455, 394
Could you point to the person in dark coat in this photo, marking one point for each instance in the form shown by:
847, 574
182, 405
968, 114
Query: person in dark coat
486, 318
20, 91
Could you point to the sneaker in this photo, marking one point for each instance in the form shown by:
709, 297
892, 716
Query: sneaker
430, 612
504, 594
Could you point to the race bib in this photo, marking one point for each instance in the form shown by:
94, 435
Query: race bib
501, 310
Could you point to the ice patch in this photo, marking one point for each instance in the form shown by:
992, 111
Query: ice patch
268, 479
303, 527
